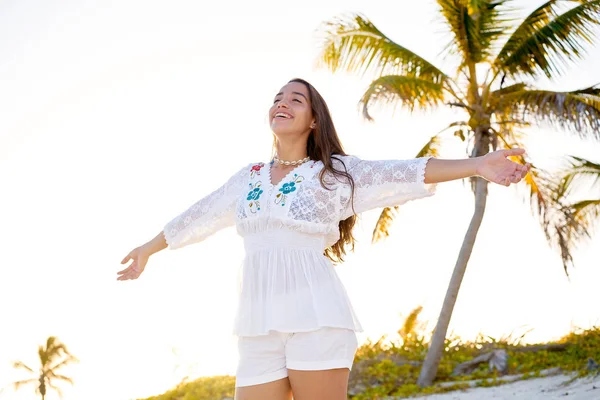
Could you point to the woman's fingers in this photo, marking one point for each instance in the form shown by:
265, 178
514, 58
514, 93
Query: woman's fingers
127, 275
127, 258
130, 268
514, 152
131, 272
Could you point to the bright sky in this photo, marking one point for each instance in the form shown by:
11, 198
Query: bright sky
117, 115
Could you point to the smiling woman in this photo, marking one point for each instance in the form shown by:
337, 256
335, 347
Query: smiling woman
295, 323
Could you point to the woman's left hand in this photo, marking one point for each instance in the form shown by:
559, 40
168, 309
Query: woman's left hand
496, 167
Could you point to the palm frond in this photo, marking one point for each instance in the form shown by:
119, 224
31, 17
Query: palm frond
570, 223
410, 324
475, 26
431, 148
51, 374
408, 92
354, 44
68, 360
22, 365
581, 169
18, 384
546, 41
384, 223
592, 90
587, 212
57, 389
517, 87
567, 226
575, 111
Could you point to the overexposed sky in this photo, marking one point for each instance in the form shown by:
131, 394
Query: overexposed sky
117, 115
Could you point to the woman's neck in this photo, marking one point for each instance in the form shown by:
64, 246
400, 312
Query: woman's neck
291, 151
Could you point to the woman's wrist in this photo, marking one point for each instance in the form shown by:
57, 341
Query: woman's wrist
155, 245
477, 161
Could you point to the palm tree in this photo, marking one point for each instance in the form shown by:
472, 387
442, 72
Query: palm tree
52, 357
497, 57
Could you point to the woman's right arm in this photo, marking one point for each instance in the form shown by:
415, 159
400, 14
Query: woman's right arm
140, 256
202, 219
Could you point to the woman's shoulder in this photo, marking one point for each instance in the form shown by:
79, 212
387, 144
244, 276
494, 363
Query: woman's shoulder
249, 169
344, 162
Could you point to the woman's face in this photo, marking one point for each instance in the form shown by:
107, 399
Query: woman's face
291, 112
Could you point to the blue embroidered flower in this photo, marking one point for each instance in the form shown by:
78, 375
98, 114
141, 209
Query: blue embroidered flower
288, 188
254, 194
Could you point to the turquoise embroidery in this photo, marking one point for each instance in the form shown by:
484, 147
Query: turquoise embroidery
286, 189
253, 196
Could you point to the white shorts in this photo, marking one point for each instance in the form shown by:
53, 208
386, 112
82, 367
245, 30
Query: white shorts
267, 358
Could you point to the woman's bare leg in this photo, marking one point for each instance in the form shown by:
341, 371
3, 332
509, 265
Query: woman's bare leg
331, 384
276, 390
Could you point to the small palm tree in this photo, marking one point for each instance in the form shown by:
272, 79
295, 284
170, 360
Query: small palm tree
52, 357
499, 59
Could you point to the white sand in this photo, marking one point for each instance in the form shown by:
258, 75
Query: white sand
552, 387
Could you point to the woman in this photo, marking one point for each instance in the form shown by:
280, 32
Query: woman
295, 324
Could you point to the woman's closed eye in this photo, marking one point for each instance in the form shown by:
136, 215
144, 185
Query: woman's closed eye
297, 100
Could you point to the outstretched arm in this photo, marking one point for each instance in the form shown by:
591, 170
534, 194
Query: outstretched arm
202, 219
140, 256
494, 167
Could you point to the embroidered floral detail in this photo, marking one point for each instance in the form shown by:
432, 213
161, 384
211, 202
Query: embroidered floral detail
255, 170
254, 196
286, 189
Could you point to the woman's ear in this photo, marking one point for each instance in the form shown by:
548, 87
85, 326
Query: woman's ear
313, 124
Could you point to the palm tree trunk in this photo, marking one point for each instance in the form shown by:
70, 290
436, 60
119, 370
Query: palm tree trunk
436, 348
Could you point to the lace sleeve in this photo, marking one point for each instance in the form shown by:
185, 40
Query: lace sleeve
210, 214
386, 183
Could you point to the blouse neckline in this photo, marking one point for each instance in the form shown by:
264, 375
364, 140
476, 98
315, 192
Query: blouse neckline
287, 177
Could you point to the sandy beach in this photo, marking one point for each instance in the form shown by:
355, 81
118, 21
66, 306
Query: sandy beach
552, 387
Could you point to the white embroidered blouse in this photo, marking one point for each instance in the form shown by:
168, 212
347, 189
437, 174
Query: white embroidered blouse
287, 284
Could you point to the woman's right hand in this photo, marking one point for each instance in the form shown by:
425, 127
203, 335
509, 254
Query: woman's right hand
140, 257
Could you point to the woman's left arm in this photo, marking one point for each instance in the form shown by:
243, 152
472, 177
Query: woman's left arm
494, 167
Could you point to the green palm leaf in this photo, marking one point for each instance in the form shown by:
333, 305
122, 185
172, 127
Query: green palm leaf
579, 172
475, 25
587, 212
408, 92
569, 225
577, 111
353, 43
546, 40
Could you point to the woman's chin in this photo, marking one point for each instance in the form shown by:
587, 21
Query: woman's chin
282, 129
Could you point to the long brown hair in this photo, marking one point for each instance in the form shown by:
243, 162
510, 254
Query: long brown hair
323, 145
